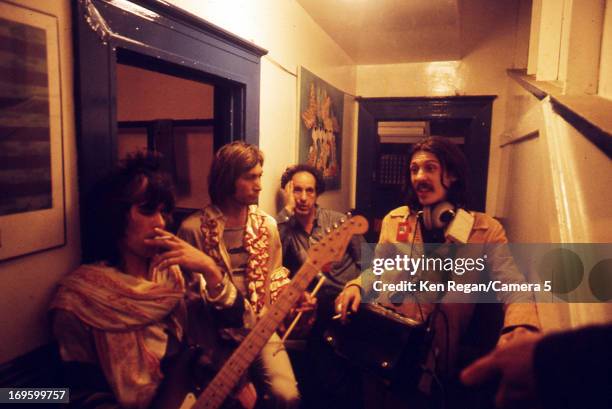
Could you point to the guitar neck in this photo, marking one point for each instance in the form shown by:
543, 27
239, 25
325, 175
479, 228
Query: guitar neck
226, 379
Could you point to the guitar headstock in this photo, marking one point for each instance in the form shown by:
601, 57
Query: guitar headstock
332, 247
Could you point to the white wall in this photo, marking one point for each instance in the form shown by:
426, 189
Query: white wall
554, 192
523, 30
570, 45
489, 37
605, 68
556, 184
292, 39
29, 282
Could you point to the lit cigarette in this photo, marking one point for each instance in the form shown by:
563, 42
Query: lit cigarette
338, 316
162, 237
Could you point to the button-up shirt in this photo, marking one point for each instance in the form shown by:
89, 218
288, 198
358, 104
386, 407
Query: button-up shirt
296, 242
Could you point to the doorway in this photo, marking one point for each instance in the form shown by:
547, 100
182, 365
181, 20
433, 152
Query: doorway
387, 129
115, 39
171, 114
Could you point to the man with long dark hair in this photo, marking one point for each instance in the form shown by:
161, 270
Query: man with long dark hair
122, 317
436, 213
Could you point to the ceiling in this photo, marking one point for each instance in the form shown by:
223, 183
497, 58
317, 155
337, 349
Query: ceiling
391, 31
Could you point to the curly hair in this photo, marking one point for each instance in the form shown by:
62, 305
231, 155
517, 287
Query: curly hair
231, 161
139, 180
453, 163
302, 167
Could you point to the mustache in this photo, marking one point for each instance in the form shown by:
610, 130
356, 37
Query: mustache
423, 185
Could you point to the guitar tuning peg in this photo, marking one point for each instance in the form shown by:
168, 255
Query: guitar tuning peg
342, 220
335, 225
328, 230
349, 215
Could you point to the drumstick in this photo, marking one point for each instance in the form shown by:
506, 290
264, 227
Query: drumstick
297, 317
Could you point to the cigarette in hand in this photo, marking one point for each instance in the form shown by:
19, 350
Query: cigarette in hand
338, 316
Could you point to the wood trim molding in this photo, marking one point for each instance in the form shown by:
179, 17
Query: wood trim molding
589, 114
175, 123
175, 13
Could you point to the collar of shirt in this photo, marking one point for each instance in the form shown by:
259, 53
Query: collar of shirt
295, 224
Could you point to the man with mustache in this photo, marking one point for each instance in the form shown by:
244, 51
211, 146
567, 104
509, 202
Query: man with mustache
437, 196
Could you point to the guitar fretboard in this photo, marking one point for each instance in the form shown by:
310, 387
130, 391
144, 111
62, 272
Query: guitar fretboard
227, 378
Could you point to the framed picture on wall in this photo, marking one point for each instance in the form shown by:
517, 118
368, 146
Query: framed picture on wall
321, 107
32, 214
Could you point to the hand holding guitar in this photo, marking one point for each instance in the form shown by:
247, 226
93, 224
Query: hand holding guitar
330, 249
303, 314
307, 303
